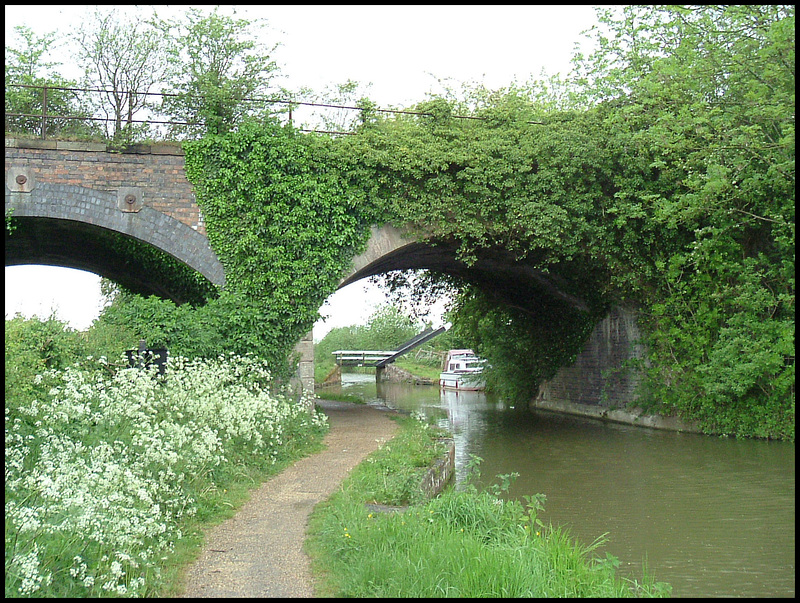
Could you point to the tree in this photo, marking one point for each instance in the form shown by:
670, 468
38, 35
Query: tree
27, 72
417, 291
125, 59
347, 94
387, 328
702, 98
216, 63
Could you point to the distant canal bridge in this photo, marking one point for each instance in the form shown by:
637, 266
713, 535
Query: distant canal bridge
380, 359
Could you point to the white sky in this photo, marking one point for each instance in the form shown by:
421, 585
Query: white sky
399, 50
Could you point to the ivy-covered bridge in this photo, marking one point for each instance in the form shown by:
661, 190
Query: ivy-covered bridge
83, 205
650, 185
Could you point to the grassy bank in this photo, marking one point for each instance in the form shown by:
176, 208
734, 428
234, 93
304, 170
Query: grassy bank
465, 543
420, 369
113, 474
352, 398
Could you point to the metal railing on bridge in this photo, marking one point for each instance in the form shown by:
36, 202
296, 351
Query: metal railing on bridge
43, 122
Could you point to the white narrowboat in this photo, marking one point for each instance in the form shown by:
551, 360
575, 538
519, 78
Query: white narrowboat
462, 371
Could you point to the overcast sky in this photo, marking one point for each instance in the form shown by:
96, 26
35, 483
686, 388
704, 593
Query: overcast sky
401, 51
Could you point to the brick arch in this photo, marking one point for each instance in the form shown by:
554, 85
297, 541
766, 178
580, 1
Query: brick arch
69, 197
69, 225
599, 377
512, 282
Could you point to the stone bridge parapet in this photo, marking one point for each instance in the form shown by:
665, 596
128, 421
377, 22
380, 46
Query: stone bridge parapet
156, 169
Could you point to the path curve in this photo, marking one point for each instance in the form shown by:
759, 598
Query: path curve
259, 551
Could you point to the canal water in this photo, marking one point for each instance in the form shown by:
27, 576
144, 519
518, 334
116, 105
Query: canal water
713, 517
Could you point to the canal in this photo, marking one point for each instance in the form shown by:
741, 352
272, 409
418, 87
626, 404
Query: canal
713, 517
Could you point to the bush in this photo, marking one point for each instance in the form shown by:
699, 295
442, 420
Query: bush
33, 346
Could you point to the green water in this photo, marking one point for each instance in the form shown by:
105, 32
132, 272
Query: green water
713, 517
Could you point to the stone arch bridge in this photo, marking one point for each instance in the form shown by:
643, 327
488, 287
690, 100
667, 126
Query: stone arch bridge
71, 199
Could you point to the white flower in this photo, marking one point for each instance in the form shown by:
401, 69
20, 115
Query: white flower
123, 489
28, 566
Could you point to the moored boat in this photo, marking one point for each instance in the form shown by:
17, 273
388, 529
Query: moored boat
462, 371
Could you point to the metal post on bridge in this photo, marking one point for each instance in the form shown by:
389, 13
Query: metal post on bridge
44, 112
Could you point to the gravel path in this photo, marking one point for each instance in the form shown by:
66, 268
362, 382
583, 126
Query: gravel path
259, 551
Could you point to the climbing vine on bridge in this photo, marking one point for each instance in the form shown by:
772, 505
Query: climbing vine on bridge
504, 183
667, 184
185, 283
284, 223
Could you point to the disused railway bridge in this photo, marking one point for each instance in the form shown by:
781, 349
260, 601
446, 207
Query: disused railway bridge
66, 197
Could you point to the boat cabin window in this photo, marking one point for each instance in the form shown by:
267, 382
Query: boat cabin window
465, 366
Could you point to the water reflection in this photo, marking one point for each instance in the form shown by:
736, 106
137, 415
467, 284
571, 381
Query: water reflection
713, 517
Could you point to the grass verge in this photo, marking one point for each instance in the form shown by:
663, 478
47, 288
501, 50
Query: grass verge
420, 369
465, 543
340, 397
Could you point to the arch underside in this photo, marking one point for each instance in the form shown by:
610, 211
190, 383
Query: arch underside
496, 272
82, 246
76, 227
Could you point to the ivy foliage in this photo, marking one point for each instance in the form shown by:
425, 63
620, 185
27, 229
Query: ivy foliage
523, 348
284, 223
662, 175
508, 182
185, 284
668, 184
707, 95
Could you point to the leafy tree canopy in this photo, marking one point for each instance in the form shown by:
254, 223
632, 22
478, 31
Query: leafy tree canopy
125, 59
706, 96
27, 63
386, 329
217, 64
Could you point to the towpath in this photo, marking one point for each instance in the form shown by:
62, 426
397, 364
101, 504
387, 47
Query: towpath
259, 551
